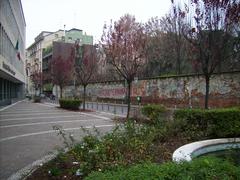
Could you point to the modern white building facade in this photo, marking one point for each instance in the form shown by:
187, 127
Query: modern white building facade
12, 51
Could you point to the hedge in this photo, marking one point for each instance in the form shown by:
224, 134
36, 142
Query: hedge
70, 103
154, 112
200, 169
215, 123
36, 99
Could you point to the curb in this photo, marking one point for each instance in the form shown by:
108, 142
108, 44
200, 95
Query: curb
105, 112
6, 107
29, 169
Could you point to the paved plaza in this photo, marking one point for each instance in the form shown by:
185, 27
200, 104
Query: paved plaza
27, 135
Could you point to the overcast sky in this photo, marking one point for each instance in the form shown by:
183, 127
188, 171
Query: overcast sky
88, 15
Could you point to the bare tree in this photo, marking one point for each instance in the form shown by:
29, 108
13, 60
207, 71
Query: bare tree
36, 78
211, 33
174, 26
166, 46
61, 71
157, 50
124, 43
85, 66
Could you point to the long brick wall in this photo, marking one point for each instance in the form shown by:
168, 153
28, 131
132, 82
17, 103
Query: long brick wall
175, 91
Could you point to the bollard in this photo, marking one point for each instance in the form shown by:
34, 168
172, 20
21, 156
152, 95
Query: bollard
122, 107
114, 111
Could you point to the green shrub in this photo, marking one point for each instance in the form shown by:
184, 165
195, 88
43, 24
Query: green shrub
154, 112
214, 123
55, 171
200, 169
36, 99
29, 97
127, 144
70, 103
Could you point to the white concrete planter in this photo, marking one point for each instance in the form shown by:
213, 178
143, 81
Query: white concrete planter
189, 151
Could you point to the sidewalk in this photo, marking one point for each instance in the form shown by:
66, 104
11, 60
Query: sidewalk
113, 108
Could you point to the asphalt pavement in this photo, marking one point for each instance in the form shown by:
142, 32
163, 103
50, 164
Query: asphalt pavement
27, 135
107, 107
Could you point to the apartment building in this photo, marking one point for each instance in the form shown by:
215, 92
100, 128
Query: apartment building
39, 53
12, 47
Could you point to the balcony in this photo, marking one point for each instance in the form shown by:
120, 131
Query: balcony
47, 51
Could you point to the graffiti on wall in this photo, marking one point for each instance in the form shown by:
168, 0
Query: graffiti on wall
224, 88
113, 93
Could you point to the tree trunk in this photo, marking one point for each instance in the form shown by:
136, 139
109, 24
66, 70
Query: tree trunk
60, 92
207, 81
178, 66
178, 61
84, 95
129, 83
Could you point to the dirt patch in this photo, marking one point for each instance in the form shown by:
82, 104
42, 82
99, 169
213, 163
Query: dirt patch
57, 169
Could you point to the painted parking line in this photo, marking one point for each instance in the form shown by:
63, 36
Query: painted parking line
10, 105
34, 118
23, 112
96, 116
52, 131
52, 122
88, 114
54, 105
103, 112
47, 104
33, 114
27, 109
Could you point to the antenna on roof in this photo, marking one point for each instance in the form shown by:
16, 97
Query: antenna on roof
64, 31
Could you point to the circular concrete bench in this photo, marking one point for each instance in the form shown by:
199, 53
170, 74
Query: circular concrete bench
192, 150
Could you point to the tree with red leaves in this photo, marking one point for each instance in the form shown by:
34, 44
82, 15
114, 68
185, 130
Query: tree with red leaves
85, 66
213, 34
36, 78
61, 71
124, 44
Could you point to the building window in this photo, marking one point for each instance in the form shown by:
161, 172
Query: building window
1, 39
7, 45
1, 89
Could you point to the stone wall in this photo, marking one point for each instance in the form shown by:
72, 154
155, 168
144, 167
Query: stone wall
174, 91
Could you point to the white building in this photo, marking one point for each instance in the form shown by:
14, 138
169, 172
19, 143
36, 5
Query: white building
34, 55
12, 47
